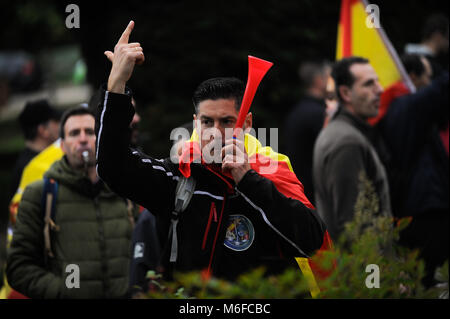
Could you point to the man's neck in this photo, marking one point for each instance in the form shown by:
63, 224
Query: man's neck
37, 145
349, 109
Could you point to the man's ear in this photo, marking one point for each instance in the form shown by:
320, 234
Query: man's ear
42, 130
344, 92
194, 116
63, 145
248, 121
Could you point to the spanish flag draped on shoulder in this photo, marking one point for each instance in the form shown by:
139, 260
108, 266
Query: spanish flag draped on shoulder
277, 168
360, 34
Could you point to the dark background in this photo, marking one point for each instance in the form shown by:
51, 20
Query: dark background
186, 42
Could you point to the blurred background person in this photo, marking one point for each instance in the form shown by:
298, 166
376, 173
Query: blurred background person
416, 131
330, 100
345, 148
434, 44
39, 122
305, 121
88, 225
419, 70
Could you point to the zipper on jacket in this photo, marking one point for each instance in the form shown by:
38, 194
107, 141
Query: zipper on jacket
216, 236
212, 213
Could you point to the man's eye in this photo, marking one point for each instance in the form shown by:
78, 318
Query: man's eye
228, 122
206, 122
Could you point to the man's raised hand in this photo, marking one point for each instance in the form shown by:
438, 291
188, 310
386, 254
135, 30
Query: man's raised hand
123, 59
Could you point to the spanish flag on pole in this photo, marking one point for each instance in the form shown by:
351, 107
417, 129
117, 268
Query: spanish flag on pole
360, 34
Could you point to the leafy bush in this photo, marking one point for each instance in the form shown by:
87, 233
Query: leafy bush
369, 239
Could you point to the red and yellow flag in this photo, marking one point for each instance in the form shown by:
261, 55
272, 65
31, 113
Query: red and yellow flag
358, 35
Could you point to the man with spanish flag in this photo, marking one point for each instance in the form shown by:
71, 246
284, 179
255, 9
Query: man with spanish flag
360, 35
247, 208
414, 126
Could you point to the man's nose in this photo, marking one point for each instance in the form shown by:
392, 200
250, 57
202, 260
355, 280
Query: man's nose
217, 127
136, 119
379, 88
83, 137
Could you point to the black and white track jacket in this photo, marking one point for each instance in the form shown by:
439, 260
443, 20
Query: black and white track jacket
226, 232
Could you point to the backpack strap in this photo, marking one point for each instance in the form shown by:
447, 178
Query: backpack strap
183, 195
48, 203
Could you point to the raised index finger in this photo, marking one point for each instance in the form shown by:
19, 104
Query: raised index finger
126, 34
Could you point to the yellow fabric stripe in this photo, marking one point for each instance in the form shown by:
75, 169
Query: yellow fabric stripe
368, 43
36, 168
309, 276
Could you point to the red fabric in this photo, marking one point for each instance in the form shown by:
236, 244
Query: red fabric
317, 260
16, 295
394, 91
284, 179
191, 153
346, 25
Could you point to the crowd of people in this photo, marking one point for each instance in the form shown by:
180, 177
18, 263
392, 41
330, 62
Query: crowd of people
100, 203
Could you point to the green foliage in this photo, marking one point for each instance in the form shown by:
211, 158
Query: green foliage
369, 239
254, 284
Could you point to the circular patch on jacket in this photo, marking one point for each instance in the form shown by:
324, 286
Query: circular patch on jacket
240, 233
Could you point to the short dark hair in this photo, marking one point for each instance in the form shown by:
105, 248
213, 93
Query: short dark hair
437, 22
219, 88
78, 110
413, 64
34, 114
308, 70
341, 72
